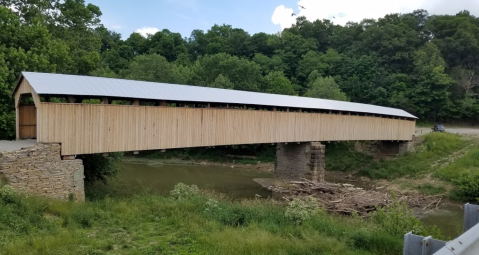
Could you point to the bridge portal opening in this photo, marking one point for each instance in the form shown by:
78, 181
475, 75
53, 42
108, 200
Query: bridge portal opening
27, 117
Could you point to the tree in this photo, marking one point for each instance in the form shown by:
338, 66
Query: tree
149, 68
277, 83
326, 88
222, 82
244, 74
430, 95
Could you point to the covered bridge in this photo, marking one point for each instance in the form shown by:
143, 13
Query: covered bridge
100, 115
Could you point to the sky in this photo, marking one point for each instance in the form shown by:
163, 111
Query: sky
269, 16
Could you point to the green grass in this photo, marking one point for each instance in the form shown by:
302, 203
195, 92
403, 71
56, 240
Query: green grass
342, 156
429, 189
435, 147
469, 163
153, 224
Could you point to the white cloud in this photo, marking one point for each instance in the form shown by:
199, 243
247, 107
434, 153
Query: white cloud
147, 31
343, 11
283, 16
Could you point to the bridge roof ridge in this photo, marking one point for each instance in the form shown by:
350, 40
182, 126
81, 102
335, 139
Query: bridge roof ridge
77, 85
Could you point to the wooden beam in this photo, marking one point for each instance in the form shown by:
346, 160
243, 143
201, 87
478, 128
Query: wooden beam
70, 99
135, 102
287, 109
274, 108
104, 100
68, 157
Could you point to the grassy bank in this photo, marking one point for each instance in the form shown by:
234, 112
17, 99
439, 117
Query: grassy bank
426, 157
188, 222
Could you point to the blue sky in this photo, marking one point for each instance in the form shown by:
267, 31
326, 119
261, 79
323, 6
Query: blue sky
270, 16
184, 16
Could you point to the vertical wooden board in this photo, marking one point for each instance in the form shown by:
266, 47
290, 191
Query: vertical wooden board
107, 128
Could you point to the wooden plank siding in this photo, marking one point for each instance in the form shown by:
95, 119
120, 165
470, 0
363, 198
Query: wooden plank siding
99, 128
27, 115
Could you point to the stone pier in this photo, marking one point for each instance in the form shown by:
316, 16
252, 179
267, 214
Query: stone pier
39, 170
304, 160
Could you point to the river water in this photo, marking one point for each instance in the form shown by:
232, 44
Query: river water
238, 183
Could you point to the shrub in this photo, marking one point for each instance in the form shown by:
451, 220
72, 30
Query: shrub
397, 219
300, 210
100, 168
342, 156
212, 206
468, 186
183, 191
7, 194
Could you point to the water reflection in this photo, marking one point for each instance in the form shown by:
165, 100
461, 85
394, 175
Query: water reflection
237, 183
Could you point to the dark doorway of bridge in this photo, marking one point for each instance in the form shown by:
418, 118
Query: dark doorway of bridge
27, 117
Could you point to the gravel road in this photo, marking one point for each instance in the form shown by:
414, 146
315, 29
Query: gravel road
458, 130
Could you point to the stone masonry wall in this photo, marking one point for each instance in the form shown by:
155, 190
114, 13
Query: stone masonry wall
39, 170
304, 160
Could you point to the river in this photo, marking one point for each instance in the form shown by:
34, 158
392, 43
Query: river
238, 183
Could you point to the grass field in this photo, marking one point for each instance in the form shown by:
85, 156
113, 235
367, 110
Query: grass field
203, 223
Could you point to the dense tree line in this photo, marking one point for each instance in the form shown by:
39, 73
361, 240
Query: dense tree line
425, 64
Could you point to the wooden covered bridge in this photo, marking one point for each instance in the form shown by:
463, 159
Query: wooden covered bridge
100, 115
70, 115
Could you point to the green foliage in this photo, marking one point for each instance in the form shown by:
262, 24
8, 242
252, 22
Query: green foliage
397, 219
276, 83
342, 156
467, 186
7, 194
100, 168
434, 147
184, 192
325, 88
205, 224
300, 210
468, 164
429, 189
264, 153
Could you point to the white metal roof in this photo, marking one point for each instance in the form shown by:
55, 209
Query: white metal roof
61, 84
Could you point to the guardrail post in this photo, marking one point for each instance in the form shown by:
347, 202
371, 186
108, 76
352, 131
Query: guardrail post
471, 216
419, 245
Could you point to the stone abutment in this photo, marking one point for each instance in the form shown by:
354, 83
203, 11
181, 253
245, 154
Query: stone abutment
39, 170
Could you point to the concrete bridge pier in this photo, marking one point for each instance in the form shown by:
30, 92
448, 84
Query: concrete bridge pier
395, 147
295, 161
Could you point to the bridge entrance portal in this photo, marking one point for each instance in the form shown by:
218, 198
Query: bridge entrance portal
27, 116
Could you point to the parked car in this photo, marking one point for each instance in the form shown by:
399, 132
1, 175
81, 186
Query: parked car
438, 128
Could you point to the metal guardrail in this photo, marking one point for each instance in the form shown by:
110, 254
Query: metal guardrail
466, 244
